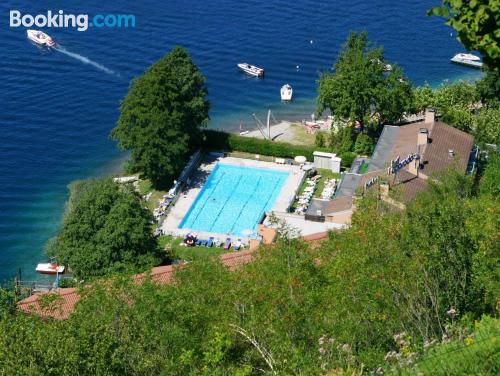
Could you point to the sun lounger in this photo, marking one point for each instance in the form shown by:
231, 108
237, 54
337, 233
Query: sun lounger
210, 241
217, 242
280, 160
237, 245
227, 244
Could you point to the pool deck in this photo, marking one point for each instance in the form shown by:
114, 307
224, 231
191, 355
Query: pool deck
285, 198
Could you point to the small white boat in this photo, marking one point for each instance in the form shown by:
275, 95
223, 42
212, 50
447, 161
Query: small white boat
251, 69
467, 59
50, 267
286, 92
470, 57
40, 37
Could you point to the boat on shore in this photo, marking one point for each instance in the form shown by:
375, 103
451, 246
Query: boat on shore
467, 59
251, 69
50, 267
286, 92
39, 37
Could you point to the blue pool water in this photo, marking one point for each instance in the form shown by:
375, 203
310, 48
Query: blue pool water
234, 199
58, 108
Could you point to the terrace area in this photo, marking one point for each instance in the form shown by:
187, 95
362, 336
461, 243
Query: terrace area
229, 196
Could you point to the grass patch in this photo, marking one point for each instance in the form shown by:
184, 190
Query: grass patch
363, 168
325, 174
176, 251
301, 136
146, 187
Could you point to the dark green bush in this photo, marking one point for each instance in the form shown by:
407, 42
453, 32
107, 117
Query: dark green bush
347, 158
216, 140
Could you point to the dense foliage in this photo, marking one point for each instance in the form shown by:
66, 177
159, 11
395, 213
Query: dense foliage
477, 23
470, 107
222, 141
297, 309
361, 86
341, 141
105, 229
161, 116
364, 144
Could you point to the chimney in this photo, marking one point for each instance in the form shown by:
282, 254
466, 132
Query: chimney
430, 115
423, 137
451, 153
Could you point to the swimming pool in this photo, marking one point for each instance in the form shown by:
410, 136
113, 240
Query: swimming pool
233, 199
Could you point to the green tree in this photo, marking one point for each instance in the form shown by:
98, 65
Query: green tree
104, 229
477, 23
395, 97
488, 86
363, 145
490, 182
319, 139
341, 141
350, 92
423, 97
360, 86
161, 116
486, 125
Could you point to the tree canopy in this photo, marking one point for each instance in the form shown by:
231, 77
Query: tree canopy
465, 106
105, 229
161, 116
422, 275
361, 85
476, 22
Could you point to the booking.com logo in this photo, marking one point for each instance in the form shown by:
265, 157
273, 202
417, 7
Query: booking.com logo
79, 21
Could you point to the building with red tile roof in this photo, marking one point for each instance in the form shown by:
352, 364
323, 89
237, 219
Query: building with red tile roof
405, 158
59, 303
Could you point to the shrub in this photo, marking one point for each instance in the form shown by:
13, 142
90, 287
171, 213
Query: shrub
347, 158
319, 140
364, 144
216, 140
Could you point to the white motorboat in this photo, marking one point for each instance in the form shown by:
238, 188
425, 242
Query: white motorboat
467, 59
50, 268
251, 69
470, 57
286, 92
39, 37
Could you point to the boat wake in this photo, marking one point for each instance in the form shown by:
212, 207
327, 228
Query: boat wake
86, 60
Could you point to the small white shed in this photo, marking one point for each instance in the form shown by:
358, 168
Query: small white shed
328, 161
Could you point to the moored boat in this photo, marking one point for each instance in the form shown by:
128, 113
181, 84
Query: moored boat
251, 69
467, 59
39, 37
286, 92
470, 57
50, 267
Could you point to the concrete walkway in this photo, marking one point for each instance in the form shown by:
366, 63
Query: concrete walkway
171, 223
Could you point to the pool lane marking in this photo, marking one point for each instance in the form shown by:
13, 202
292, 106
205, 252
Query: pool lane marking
222, 208
246, 203
274, 192
209, 195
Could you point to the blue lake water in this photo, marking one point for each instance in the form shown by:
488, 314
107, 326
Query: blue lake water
58, 107
233, 200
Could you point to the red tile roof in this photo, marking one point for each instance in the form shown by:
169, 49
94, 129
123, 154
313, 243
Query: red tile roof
64, 299
316, 236
435, 154
60, 309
